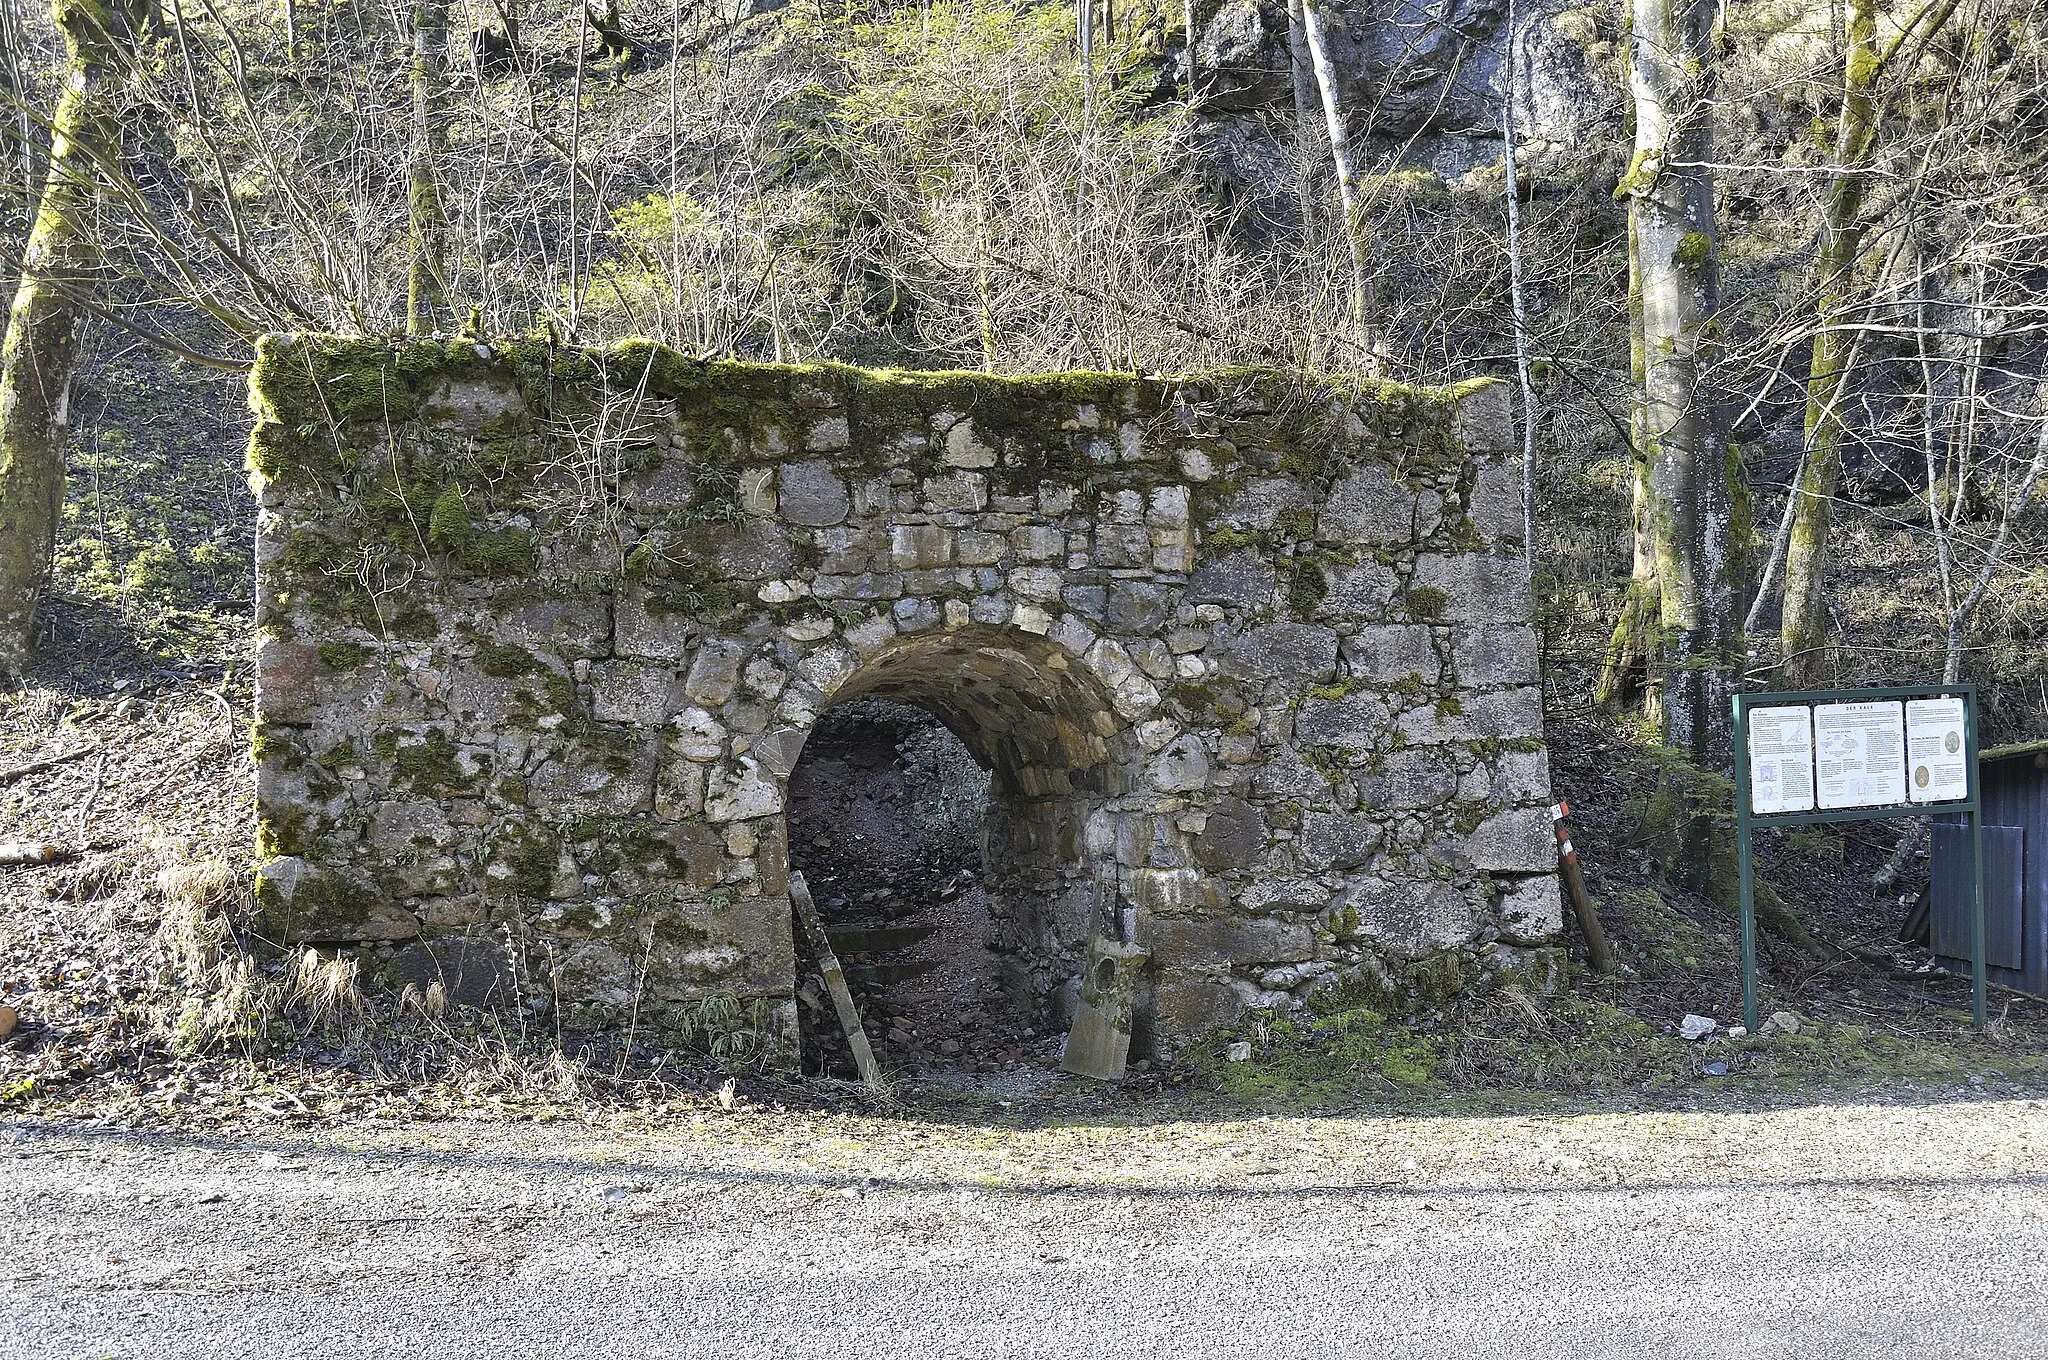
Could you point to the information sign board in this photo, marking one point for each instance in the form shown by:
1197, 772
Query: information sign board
1860, 754
1810, 757
1935, 769
1781, 759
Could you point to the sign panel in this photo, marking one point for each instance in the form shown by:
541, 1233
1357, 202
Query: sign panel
1860, 754
1936, 771
1781, 759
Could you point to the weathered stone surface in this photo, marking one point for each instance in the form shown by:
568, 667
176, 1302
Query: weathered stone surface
1411, 778
1391, 653
1478, 588
1336, 840
471, 972
1301, 654
1179, 942
1531, 909
1109, 600
1356, 722
1489, 657
1233, 837
812, 494
1497, 502
632, 692
1240, 578
1368, 505
1412, 919
1517, 841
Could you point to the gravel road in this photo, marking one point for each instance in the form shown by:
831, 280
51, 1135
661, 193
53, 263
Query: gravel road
1855, 1230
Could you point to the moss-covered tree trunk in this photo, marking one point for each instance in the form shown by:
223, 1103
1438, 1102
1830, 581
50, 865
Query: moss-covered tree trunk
58, 268
1687, 509
426, 302
1802, 631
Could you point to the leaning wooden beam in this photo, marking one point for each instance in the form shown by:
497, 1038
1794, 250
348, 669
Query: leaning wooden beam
835, 983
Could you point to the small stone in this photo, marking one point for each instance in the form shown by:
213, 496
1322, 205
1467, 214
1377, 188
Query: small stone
9, 1018
1779, 1022
1694, 1027
1738, 1031
1241, 1051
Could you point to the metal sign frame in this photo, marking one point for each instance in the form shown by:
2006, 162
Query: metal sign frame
1746, 820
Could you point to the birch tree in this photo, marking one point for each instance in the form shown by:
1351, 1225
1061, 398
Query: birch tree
58, 269
426, 308
1315, 32
1685, 506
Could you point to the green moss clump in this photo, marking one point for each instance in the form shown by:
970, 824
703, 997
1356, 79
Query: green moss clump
1694, 249
1307, 586
1427, 602
448, 522
343, 656
431, 767
507, 662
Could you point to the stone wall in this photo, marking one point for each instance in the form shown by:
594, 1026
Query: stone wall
544, 631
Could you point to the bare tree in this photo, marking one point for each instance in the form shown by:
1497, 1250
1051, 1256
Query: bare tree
59, 265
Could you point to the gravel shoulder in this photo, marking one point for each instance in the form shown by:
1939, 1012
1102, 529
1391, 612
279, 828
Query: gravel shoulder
1853, 1229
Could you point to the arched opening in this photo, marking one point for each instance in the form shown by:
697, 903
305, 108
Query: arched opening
947, 812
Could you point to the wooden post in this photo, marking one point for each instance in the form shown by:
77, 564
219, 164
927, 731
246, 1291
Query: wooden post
1575, 888
835, 983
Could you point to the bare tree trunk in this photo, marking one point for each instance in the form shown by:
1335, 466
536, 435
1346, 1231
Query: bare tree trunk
1626, 674
1521, 312
426, 303
1315, 32
1965, 611
36, 356
1688, 506
1802, 631
1307, 113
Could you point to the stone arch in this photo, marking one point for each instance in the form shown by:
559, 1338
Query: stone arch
1049, 733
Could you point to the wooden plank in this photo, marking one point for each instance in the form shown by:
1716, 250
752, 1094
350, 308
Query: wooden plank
835, 983
1100, 1042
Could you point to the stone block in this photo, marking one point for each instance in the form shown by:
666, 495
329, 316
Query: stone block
1300, 654
827, 436
1240, 578
632, 692
738, 790
1485, 422
1523, 777
758, 551
964, 450
1179, 943
1531, 909
1234, 836
1341, 840
288, 681
1387, 654
1518, 841
1356, 722
961, 491
602, 776
1358, 592
1411, 918
715, 670
920, 547
1493, 656
1417, 777
471, 972
1185, 1007
1180, 767
1478, 588
1497, 502
813, 495
1261, 503
1368, 505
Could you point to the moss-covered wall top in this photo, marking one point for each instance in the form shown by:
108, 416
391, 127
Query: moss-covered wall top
545, 629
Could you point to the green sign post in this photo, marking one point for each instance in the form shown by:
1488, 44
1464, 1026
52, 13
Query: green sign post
1856, 755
